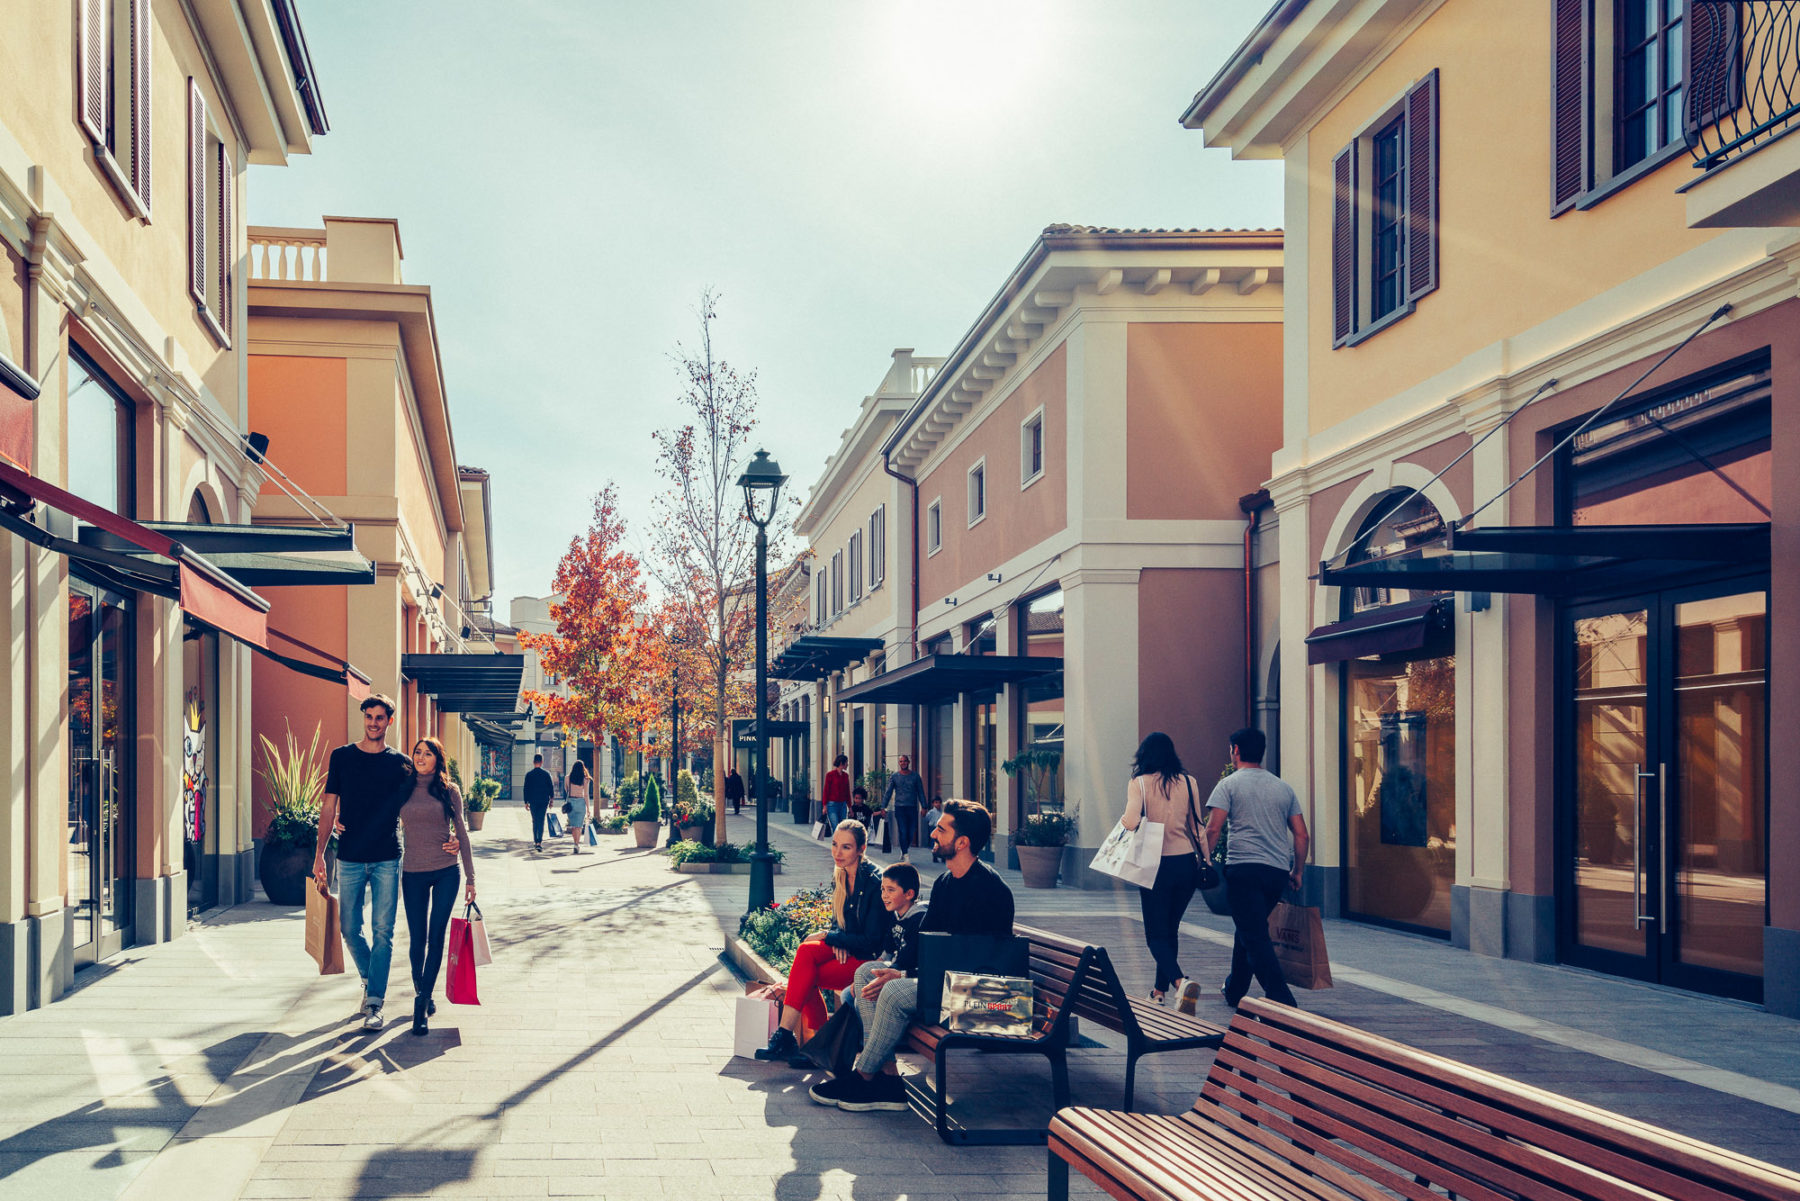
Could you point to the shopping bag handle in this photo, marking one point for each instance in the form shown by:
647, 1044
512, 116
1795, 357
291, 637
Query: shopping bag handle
471, 907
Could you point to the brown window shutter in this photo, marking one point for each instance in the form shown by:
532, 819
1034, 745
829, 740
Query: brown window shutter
1714, 69
198, 218
1343, 245
1422, 187
1571, 102
140, 99
90, 48
227, 242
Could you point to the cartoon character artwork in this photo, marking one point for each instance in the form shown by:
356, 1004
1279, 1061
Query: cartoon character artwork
193, 768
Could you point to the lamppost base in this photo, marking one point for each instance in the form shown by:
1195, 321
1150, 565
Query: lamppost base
762, 879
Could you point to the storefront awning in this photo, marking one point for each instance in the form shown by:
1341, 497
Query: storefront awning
1556, 560
156, 563
814, 656
938, 677
1392, 629
260, 556
461, 683
495, 729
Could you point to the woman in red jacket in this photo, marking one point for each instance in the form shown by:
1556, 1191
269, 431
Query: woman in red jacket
837, 793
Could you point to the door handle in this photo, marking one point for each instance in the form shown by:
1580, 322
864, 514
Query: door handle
1667, 884
1638, 776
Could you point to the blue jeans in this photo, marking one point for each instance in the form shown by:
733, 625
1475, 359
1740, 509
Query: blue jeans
383, 883
835, 812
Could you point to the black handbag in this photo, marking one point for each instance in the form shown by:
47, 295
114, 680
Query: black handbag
1209, 875
989, 954
837, 1042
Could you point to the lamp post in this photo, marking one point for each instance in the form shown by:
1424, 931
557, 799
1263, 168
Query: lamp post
762, 479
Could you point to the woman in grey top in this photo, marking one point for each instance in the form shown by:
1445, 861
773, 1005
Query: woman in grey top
428, 875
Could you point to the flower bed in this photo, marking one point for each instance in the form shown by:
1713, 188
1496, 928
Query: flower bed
773, 933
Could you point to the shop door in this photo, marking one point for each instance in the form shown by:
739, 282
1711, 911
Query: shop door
98, 888
1664, 840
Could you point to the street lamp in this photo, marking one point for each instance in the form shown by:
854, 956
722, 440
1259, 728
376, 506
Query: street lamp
761, 482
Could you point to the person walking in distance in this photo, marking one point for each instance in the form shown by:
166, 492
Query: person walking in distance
904, 797
538, 789
577, 787
1266, 855
1163, 793
428, 877
365, 784
837, 792
734, 790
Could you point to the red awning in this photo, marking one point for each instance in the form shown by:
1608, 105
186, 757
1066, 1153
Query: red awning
207, 593
339, 671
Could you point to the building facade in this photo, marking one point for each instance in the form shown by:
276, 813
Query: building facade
1540, 320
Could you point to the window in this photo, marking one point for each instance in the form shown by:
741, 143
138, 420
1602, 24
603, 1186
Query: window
978, 491
212, 228
113, 73
934, 527
837, 582
824, 606
1384, 218
1031, 448
856, 567
100, 438
877, 547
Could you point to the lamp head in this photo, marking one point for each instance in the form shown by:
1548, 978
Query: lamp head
761, 479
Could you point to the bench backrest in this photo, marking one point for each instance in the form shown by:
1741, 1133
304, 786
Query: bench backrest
1309, 1090
1059, 966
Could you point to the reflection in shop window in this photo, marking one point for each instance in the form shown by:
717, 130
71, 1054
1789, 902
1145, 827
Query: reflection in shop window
1041, 628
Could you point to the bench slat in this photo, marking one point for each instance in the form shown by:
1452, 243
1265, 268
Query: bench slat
1159, 1156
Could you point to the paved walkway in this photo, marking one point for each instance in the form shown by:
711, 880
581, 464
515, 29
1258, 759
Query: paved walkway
220, 1066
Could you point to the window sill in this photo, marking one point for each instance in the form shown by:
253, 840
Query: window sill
934, 550
115, 174
212, 326
1627, 177
1369, 331
978, 520
1030, 480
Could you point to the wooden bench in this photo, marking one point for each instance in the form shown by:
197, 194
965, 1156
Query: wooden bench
1300, 1107
1148, 1027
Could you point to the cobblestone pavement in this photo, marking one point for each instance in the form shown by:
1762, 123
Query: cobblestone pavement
220, 1066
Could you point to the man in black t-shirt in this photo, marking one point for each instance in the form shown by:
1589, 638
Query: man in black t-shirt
365, 786
969, 898
539, 788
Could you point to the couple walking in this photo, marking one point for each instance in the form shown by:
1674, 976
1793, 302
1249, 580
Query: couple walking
376, 800
540, 790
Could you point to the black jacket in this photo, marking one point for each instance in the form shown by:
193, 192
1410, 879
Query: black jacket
539, 787
865, 918
900, 947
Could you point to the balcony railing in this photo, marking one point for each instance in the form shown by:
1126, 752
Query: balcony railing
1743, 77
287, 254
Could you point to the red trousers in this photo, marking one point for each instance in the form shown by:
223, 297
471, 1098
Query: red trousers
816, 966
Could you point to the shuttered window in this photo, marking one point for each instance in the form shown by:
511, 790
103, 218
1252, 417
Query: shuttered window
856, 544
227, 240
878, 547
1384, 216
112, 51
197, 207
212, 220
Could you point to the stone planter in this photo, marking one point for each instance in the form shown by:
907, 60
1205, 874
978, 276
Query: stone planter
283, 872
802, 810
717, 869
691, 833
476, 817
645, 833
1040, 865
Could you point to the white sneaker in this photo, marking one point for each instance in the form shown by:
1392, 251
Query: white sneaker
373, 1020
1178, 988
362, 1006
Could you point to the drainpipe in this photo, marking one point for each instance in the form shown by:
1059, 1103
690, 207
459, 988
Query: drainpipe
1251, 506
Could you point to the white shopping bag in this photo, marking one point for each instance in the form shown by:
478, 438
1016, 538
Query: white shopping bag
755, 1024
1119, 856
484, 954
879, 834
818, 829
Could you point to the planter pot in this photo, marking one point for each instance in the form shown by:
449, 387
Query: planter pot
645, 833
1217, 901
1040, 865
283, 872
692, 833
802, 810
717, 869
476, 817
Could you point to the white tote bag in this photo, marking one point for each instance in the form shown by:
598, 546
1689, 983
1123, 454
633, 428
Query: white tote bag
484, 954
754, 1023
1119, 855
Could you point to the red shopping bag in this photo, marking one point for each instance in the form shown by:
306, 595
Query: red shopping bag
459, 984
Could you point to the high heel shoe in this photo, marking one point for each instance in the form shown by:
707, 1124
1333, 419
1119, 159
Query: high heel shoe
420, 1025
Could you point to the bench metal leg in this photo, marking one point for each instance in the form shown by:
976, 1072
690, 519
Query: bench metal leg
1000, 1136
1059, 1078
1131, 1062
1057, 1186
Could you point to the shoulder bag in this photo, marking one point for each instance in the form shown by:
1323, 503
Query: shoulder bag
1209, 875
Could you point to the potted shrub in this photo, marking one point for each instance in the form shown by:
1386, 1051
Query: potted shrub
1040, 843
646, 816
296, 784
800, 803
481, 798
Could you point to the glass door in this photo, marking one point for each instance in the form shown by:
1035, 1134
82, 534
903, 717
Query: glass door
98, 877
1664, 861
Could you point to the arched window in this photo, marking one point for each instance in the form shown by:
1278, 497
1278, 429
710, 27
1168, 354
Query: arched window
1400, 523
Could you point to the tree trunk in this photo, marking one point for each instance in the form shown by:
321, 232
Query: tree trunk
721, 747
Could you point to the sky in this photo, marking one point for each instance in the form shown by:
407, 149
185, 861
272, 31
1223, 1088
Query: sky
848, 176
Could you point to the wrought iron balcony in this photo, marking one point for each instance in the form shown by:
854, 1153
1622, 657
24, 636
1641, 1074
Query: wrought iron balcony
1743, 77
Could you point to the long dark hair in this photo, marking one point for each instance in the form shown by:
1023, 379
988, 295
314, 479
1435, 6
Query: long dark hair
578, 773
439, 787
1156, 757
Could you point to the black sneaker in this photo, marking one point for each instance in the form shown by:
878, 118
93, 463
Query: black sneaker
883, 1092
832, 1091
781, 1045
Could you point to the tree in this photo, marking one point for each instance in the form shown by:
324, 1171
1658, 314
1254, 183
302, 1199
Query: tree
704, 548
603, 647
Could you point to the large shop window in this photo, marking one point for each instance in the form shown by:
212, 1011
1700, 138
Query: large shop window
100, 443
1399, 827
1041, 733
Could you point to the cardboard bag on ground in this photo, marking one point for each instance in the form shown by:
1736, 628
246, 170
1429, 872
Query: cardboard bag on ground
753, 1024
324, 942
1299, 937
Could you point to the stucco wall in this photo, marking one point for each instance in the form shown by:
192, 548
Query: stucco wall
1190, 662
1202, 416
300, 402
283, 699
415, 489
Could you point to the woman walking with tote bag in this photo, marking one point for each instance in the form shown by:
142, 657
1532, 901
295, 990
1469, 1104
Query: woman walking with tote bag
577, 787
428, 875
1161, 792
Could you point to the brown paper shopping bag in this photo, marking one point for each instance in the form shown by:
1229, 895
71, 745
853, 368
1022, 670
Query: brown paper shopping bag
1299, 938
324, 942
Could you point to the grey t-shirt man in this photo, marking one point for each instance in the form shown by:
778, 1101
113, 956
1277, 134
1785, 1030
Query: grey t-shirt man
1259, 806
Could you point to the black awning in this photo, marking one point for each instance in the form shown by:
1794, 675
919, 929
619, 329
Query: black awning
467, 683
936, 677
1556, 560
260, 556
1392, 629
814, 656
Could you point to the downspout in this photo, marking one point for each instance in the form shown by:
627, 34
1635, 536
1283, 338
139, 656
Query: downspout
1252, 506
